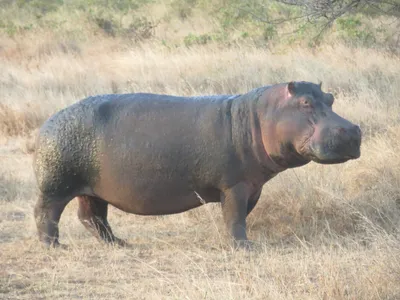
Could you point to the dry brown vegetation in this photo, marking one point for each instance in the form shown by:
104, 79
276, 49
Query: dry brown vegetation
325, 232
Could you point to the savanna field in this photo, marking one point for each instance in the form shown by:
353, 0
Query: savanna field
323, 232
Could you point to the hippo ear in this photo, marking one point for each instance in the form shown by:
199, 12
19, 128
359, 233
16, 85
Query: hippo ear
320, 85
291, 88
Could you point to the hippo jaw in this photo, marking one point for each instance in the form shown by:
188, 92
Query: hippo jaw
332, 158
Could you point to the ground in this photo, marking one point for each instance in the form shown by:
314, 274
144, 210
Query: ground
324, 232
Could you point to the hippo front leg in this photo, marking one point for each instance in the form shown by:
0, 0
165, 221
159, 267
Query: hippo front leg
234, 202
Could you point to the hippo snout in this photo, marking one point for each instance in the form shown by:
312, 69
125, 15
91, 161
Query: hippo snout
349, 142
336, 144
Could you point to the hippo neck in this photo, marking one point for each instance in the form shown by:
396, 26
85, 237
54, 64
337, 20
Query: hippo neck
246, 134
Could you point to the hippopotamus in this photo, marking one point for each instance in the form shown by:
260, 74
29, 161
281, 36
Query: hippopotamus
153, 154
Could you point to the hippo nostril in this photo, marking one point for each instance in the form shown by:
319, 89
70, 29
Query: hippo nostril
353, 131
341, 130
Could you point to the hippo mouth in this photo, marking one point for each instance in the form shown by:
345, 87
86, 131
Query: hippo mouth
333, 160
333, 157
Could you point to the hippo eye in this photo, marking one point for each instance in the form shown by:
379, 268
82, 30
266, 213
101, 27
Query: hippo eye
305, 102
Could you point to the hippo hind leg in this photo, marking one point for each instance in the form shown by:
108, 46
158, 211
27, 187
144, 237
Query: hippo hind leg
48, 210
92, 213
253, 201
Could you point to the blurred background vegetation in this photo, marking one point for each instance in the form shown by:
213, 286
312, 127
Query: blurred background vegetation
192, 23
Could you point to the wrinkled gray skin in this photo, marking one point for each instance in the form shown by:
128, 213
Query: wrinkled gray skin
156, 154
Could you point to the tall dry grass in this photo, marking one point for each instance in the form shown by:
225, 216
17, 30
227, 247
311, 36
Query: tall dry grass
325, 232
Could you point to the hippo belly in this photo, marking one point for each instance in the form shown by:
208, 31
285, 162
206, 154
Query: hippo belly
158, 196
154, 202
151, 172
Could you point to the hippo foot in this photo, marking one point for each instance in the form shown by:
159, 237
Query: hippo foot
119, 243
62, 246
55, 245
244, 245
122, 243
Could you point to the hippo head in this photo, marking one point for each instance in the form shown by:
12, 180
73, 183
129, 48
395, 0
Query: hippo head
305, 128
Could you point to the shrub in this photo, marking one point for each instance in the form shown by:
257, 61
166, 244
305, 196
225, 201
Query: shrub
41, 6
192, 39
269, 32
140, 28
352, 30
107, 25
183, 8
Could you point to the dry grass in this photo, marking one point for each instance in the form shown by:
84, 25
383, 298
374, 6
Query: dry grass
20, 121
325, 232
